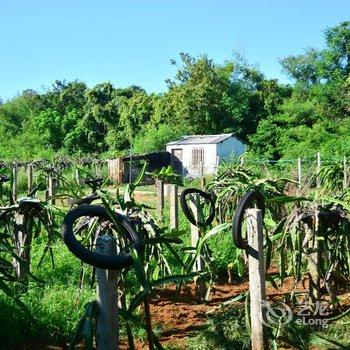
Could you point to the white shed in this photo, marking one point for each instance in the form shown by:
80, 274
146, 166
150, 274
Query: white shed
203, 153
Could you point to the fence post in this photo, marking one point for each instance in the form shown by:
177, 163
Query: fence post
22, 237
257, 285
160, 198
318, 178
52, 187
299, 173
174, 207
107, 298
14, 182
314, 279
30, 177
196, 233
345, 170
313, 261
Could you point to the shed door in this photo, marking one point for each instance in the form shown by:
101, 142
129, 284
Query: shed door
197, 160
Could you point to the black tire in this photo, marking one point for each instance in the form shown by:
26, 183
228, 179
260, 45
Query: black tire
4, 178
187, 211
244, 203
83, 200
109, 262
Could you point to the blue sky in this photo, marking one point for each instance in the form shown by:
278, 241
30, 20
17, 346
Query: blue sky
132, 42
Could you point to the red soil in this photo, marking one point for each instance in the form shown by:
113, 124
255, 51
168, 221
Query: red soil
178, 315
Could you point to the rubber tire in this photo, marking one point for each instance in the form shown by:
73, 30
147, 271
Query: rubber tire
187, 211
4, 178
243, 204
109, 262
83, 200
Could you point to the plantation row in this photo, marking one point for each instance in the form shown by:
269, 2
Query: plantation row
305, 239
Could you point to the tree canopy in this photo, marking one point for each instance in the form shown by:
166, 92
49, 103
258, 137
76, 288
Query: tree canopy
276, 120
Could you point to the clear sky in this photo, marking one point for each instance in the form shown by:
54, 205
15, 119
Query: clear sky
132, 41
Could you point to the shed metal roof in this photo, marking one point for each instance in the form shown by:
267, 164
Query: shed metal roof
201, 139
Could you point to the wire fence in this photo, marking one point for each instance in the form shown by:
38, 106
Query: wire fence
306, 172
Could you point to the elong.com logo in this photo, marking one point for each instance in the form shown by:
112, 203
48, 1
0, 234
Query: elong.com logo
279, 313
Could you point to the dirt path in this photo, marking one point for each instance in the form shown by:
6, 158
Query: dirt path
177, 316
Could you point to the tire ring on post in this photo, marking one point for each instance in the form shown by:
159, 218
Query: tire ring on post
243, 204
187, 211
109, 262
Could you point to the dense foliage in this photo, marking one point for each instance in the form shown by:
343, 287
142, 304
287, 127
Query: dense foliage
276, 120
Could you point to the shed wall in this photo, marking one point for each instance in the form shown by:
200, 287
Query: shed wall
213, 153
229, 148
209, 158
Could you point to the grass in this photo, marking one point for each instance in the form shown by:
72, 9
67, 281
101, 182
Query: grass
226, 330
337, 333
56, 304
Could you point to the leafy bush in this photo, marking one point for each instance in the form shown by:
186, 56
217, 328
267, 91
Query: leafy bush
168, 175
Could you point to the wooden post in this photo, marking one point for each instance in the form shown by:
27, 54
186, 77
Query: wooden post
30, 177
196, 233
107, 298
313, 276
257, 285
174, 207
345, 167
14, 182
160, 198
318, 178
299, 173
52, 187
313, 260
22, 238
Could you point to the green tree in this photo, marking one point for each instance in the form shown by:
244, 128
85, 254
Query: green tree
314, 117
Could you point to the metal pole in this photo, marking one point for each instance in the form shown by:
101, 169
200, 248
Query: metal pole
160, 198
